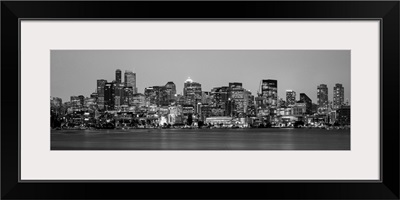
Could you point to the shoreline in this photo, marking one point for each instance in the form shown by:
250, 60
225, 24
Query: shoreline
206, 128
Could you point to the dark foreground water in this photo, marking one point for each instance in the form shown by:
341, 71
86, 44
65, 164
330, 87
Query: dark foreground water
201, 139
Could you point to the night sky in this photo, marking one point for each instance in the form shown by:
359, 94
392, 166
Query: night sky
74, 72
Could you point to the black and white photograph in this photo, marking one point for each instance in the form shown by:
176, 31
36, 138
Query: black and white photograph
200, 99
273, 99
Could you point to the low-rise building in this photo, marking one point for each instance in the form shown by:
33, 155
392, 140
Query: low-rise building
343, 115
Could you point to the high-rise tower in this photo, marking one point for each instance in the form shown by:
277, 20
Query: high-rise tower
130, 80
118, 76
305, 99
338, 96
322, 95
192, 91
171, 90
269, 90
100, 93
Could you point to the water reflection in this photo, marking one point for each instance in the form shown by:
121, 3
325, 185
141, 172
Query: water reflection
204, 139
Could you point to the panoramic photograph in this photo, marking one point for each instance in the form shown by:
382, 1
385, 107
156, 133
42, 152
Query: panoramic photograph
200, 99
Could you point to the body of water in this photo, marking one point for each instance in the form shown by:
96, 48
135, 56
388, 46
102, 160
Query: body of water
201, 139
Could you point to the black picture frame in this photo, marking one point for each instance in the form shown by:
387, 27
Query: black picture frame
386, 11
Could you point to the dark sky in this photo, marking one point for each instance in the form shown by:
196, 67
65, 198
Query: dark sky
74, 72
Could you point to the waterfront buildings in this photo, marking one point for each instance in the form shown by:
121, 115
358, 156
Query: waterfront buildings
161, 104
338, 96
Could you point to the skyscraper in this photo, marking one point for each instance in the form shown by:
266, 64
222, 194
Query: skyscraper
219, 96
109, 94
118, 94
130, 80
338, 96
118, 76
305, 99
269, 90
127, 96
236, 94
192, 90
290, 97
322, 95
171, 90
100, 92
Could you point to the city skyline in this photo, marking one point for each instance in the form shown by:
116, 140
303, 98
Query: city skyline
291, 67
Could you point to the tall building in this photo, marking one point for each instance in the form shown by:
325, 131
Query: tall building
322, 95
127, 96
192, 91
338, 96
305, 99
250, 109
219, 96
236, 94
130, 80
229, 107
171, 90
118, 94
118, 76
109, 96
290, 97
100, 92
269, 90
